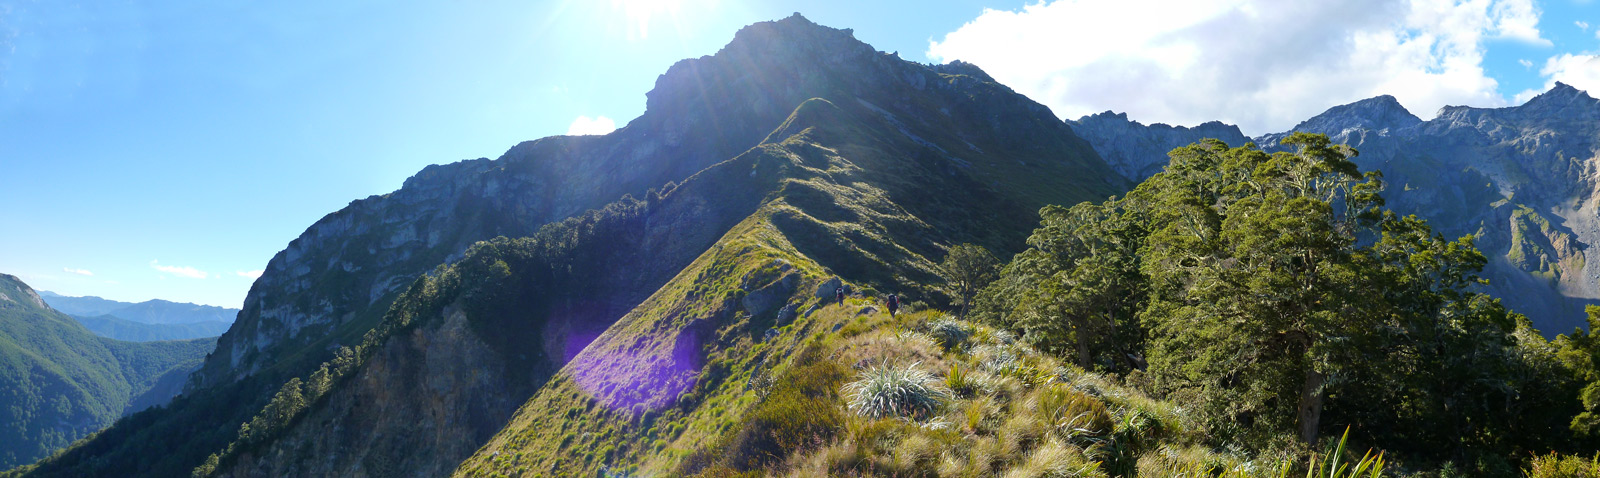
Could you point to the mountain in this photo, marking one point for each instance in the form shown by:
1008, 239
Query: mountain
399, 334
1133, 149
1521, 179
59, 382
89, 305
154, 311
157, 311
111, 326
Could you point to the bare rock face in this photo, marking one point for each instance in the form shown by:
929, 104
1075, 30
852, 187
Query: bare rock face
1523, 180
829, 288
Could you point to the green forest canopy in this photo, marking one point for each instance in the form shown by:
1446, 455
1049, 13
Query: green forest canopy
1278, 294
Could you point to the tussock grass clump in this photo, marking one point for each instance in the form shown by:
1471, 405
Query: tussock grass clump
1055, 460
1191, 462
1070, 413
949, 333
889, 391
961, 382
995, 359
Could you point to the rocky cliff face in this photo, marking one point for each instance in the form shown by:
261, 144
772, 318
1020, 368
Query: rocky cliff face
1522, 179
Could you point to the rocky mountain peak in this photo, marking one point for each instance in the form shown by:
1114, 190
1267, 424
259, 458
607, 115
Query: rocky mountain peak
1562, 101
1377, 113
760, 50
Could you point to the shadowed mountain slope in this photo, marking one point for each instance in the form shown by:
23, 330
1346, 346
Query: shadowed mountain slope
858, 162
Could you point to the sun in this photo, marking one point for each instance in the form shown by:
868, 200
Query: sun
641, 13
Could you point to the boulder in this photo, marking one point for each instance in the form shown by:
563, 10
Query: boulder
766, 297
826, 290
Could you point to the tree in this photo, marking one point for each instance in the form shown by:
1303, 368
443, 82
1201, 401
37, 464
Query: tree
1257, 294
968, 268
1079, 283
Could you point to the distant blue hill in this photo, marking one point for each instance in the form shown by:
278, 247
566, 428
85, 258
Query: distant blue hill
114, 327
155, 311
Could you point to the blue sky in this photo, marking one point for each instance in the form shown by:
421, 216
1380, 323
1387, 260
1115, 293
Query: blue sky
168, 149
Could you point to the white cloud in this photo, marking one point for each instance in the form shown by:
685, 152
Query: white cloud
249, 274
587, 125
1261, 64
81, 272
1515, 20
1582, 25
180, 271
1582, 71
1525, 63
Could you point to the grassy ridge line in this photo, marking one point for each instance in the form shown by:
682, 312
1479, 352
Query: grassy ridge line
587, 418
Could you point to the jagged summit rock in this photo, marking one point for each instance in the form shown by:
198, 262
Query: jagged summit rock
1378, 113
1562, 102
958, 67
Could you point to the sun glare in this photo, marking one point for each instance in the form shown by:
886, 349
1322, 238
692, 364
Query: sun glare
641, 13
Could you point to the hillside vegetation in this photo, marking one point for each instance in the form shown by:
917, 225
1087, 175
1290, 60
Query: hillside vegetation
59, 382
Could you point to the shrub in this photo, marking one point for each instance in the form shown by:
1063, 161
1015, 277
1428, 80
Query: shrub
1557, 466
888, 391
1333, 465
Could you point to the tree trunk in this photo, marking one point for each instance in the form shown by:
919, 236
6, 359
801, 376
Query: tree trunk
1085, 360
1310, 410
966, 300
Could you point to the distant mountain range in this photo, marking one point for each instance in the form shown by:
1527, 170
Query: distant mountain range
147, 321
111, 326
155, 311
1521, 179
